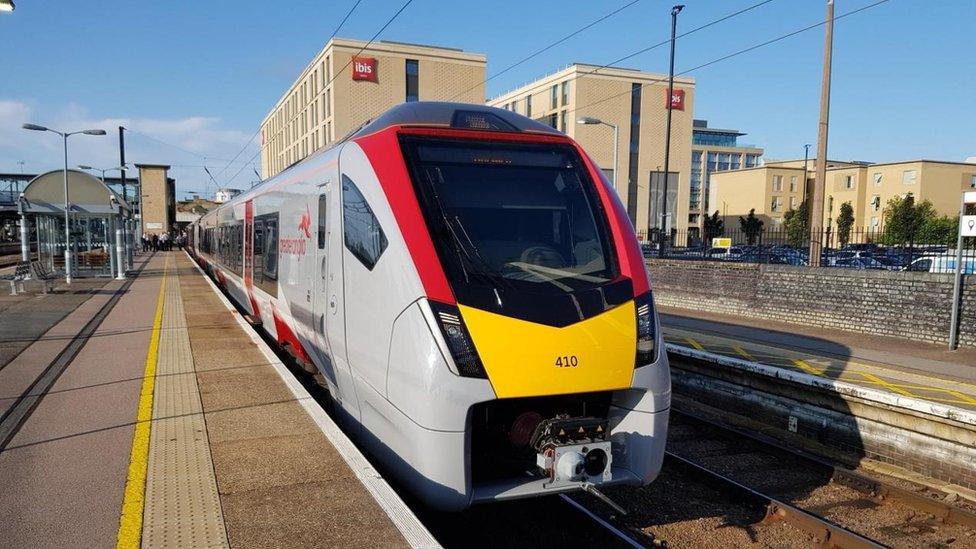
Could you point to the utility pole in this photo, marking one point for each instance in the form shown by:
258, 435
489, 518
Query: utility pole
127, 220
819, 183
667, 137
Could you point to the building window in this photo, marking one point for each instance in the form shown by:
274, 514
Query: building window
877, 179
712, 162
528, 106
553, 96
551, 121
876, 202
562, 122
908, 176
792, 183
724, 159
777, 183
776, 204
413, 80
363, 235
792, 202
874, 222
736, 161
634, 148
849, 182
972, 182
565, 93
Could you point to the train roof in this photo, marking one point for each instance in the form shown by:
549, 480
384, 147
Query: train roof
454, 115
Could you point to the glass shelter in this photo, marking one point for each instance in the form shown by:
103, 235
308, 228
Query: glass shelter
96, 217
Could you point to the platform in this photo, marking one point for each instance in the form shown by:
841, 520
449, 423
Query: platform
144, 413
912, 369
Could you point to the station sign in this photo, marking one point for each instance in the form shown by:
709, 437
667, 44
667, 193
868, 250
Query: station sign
967, 224
364, 68
677, 99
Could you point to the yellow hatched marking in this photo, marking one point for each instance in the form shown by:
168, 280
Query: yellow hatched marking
806, 367
962, 397
890, 386
694, 344
134, 500
744, 354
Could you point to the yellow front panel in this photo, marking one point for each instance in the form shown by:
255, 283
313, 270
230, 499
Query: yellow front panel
528, 359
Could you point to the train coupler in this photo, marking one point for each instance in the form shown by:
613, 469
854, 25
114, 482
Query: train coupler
571, 451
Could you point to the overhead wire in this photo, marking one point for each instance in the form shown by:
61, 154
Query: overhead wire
549, 47
735, 54
256, 132
336, 74
652, 47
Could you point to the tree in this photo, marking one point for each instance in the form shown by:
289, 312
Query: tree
751, 226
714, 226
797, 225
918, 223
845, 221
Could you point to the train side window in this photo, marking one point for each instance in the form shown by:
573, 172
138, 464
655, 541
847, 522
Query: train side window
257, 260
271, 251
322, 220
362, 233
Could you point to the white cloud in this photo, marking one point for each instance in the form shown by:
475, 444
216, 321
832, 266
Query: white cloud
185, 143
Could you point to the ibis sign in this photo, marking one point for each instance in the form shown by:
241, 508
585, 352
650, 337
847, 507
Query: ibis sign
364, 68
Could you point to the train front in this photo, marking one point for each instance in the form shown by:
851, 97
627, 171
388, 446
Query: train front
548, 314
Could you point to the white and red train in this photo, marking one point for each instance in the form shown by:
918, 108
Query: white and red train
473, 295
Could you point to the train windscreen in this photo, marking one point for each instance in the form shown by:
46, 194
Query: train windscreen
518, 216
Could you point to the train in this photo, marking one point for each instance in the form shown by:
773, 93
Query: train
468, 288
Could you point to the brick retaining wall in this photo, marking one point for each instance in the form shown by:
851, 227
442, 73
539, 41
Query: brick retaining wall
899, 304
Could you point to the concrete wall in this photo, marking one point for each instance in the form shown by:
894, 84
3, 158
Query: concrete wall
900, 304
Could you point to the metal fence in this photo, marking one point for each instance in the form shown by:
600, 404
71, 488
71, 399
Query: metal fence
859, 249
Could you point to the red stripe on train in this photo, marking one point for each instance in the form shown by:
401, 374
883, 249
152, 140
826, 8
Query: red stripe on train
383, 151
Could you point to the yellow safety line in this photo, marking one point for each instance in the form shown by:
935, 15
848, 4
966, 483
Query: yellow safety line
963, 397
694, 344
744, 354
890, 386
806, 367
130, 520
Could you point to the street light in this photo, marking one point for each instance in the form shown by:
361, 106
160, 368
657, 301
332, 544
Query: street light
7, 5
590, 121
103, 172
667, 135
67, 220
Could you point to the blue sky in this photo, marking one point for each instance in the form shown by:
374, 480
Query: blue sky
201, 75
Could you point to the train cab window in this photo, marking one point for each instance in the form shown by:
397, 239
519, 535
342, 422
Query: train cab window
518, 216
362, 232
322, 220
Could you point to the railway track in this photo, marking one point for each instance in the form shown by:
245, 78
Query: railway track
839, 507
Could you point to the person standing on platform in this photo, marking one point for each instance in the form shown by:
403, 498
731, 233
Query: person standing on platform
155, 242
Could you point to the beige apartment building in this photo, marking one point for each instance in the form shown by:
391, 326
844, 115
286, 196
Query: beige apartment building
345, 85
158, 190
869, 188
713, 150
635, 103
777, 187
770, 189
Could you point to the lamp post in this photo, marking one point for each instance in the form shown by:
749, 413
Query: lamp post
67, 219
590, 121
667, 137
806, 158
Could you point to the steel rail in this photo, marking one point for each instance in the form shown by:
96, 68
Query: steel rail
877, 489
829, 534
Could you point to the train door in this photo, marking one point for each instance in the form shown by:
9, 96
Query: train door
329, 330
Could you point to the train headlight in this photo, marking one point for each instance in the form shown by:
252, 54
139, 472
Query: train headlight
645, 330
458, 340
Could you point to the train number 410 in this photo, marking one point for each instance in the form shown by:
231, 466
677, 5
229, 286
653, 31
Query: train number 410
567, 361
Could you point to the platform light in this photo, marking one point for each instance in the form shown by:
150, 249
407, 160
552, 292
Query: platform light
7, 5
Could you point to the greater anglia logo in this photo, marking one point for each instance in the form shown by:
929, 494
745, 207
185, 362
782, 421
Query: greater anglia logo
364, 68
305, 224
297, 246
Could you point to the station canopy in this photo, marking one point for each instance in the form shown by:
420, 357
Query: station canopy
86, 194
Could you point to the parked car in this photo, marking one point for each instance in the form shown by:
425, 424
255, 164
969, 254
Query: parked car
726, 254
859, 263
942, 264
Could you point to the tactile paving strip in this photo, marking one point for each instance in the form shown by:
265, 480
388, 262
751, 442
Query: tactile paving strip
182, 505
